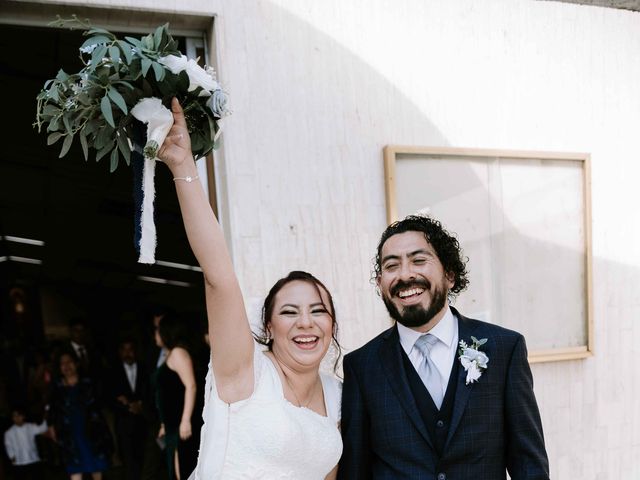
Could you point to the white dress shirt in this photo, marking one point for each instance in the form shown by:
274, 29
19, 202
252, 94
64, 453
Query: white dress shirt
132, 373
442, 353
20, 442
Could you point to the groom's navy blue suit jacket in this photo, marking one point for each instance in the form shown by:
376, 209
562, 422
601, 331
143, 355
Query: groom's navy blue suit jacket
494, 426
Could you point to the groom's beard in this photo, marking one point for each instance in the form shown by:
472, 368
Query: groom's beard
415, 315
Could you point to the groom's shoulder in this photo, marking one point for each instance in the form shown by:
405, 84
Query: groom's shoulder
370, 348
483, 328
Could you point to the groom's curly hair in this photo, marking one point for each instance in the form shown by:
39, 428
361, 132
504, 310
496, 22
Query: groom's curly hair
445, 244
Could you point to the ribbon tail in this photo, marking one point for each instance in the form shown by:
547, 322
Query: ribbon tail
147, 224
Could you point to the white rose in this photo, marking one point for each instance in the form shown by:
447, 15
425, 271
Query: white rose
174, 63
473, 373
159, 120
198, 76
475, 355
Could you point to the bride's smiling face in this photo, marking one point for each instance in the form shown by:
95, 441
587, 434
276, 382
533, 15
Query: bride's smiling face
301, 324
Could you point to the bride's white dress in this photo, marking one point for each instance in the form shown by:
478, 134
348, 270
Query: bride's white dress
265, 436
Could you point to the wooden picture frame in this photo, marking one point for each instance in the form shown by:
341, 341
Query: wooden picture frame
526, 218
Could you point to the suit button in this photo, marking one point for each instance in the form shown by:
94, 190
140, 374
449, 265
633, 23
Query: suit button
442, 476
440, 424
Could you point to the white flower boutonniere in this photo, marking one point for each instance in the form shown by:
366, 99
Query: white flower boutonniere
472, 359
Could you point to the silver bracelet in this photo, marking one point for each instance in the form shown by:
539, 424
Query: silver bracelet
186, 179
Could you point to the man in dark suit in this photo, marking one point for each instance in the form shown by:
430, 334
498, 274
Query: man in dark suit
129, 394
419, 404
90, 360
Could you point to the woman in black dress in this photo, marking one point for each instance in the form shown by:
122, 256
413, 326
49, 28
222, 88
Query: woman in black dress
179, 400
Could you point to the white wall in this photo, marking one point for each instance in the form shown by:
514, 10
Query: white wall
319, 87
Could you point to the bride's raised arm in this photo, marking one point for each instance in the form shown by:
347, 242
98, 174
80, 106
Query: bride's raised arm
229, 331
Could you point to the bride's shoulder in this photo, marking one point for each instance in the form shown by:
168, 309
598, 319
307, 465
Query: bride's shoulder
332, 394
332, 383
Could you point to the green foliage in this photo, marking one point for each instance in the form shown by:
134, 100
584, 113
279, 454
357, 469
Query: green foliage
96, 102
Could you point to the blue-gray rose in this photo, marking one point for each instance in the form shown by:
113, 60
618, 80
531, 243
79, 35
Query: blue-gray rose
217, 103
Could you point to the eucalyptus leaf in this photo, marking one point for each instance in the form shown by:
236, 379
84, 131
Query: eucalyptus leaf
105, 107
135, 69
50, 109
95, 40
126, 51
146, 64
157, 37
159, 71
84, 144
97, 56
147, 42
123, 145
62, 76
114, 53
67, 123
53, 125
114, 160
103, 151
115, 96
53, 138
135, 42
100, 31
66, 145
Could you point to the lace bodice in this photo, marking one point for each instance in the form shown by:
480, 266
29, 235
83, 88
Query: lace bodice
265, 436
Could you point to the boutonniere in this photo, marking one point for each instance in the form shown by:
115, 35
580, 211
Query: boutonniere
472, 359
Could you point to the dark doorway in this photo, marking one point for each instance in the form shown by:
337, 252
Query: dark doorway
81, 213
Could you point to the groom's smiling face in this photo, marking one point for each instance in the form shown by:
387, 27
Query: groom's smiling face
412, 281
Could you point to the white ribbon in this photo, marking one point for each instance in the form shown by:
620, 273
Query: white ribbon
159, 120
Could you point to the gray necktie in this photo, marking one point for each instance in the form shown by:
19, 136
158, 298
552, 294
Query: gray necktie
428, 371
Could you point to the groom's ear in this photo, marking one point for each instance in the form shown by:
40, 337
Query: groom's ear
378, 291
451, 279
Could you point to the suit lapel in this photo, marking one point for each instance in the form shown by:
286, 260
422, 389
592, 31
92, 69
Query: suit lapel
463, 391
391, 358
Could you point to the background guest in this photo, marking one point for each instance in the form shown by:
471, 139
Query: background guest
77, 422
178, 400
20, 445
128, 394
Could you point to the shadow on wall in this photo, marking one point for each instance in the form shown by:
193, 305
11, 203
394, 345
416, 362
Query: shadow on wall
331, 114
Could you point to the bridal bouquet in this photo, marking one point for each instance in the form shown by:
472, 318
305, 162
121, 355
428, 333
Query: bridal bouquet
123, 85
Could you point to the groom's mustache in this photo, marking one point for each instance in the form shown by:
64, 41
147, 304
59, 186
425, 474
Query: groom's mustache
401, 285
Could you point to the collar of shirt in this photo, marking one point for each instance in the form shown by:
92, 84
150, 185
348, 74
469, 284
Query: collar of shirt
130, 368
446, 331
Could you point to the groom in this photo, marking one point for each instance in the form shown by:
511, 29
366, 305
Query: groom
413, 406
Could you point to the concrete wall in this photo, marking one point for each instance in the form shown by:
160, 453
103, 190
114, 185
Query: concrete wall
317, 90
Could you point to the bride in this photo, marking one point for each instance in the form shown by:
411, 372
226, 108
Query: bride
268, 414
